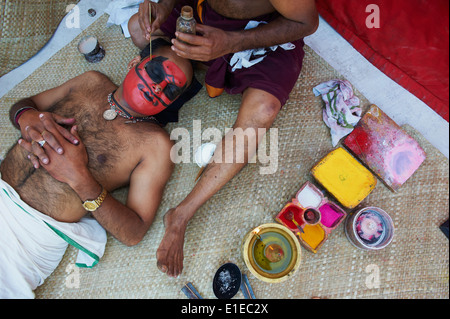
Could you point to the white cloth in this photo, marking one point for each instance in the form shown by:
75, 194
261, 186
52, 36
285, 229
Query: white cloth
204, 154
248, 58
121, 11
342, 111
32, 244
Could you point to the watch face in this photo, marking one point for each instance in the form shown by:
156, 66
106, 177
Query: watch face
90, 206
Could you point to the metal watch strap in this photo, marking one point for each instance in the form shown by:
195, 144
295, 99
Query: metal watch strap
93, 205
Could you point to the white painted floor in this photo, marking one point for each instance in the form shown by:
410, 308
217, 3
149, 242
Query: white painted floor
399, 104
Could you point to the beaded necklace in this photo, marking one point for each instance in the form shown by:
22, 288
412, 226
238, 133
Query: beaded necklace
115, 109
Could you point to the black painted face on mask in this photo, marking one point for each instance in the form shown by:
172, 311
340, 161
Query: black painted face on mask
157, 73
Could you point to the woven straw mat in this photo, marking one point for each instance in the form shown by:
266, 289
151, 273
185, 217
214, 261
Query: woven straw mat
25, 27
415, 265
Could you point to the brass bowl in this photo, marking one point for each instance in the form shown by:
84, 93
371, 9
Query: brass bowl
287, 238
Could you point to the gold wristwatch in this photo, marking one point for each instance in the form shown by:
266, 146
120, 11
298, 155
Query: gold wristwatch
93, 205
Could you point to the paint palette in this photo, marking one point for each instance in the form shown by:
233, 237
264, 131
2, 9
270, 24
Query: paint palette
311, 216
344, 177
385, 148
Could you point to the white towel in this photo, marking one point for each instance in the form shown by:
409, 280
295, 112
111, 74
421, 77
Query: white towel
342, 111
32, 244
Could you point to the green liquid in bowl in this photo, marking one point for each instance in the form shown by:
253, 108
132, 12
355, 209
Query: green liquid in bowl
272, 253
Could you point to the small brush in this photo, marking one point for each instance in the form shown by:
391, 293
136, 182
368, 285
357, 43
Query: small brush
290, 216
200, 173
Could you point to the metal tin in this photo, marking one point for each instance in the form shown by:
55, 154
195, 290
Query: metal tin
227, 281
91, 49
353, 236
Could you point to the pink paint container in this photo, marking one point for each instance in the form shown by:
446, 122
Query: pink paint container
332, 215
370, 228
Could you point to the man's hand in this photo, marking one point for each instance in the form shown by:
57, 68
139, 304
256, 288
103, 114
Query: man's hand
69, 167
33, 129
160, 13
213, 44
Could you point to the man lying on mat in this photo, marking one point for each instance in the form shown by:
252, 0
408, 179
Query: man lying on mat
85, 139
227, 30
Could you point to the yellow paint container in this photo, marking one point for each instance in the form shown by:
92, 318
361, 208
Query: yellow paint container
344, 177
314, 236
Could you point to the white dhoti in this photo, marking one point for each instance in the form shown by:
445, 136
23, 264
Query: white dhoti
32, 244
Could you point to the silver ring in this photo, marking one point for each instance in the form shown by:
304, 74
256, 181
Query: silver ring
42, 143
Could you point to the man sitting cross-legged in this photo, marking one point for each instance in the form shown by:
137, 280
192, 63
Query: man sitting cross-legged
80, 141
250, 47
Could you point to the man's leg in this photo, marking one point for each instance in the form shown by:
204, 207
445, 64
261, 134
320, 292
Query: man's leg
258, 110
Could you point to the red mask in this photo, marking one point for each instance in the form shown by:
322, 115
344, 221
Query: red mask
140, 85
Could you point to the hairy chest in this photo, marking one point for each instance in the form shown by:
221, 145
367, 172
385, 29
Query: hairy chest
103, 140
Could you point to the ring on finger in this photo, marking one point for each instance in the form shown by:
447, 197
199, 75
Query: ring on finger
41, 143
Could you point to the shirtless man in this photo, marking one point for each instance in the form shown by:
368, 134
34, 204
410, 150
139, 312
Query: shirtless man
85, 145
265, 87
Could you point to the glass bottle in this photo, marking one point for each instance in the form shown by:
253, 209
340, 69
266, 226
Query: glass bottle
186, 22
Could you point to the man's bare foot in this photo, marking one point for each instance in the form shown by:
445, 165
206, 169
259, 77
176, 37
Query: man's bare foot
169, 255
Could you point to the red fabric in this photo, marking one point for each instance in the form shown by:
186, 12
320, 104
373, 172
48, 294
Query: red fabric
411, 46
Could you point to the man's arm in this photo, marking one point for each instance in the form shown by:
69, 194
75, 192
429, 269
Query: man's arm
160, 11
299, 18
130, 223
301, 11
42, 101
25, 114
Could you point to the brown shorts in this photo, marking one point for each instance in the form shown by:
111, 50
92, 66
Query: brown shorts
276, 74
